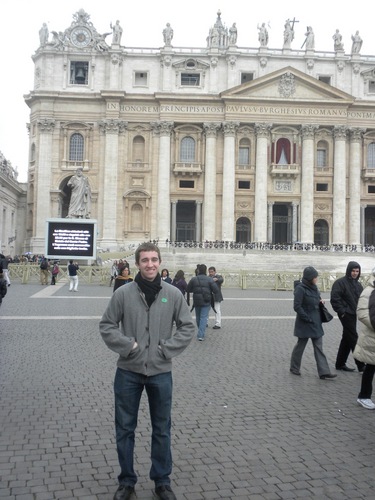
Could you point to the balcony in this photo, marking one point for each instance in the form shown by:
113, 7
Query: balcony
137, 166
188, 169
368, 174
286, 171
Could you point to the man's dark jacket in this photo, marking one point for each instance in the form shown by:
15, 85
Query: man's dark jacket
346, 291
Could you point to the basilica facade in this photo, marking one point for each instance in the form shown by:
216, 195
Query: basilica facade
221, 142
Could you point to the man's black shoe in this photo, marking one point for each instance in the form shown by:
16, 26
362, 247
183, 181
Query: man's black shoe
165, 492
329, 376
361, 369
346, 369
125, 493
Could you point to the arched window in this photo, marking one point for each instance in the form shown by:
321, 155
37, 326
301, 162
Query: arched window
187, 150
371, 155
322, 154
138, 149
76, 147
244, 152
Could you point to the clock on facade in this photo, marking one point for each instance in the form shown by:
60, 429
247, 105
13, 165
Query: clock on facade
80, 37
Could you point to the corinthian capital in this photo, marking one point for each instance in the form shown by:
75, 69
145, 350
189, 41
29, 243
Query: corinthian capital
340, 132
46, 124
112, 126
230, 128
162, 128
356, 134
263, 129
308, 131
211, 129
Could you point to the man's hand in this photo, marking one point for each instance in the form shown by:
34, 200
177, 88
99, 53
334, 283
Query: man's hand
135, 346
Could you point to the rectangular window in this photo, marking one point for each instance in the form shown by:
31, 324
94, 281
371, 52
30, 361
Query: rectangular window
325, 79
79, 72
371, 87
243, 184
321, 158
190, 79
140, 79
247, 77
321, 187
187, 184
244, 156
371, 189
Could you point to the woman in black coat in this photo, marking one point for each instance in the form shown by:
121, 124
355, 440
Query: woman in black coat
308, 324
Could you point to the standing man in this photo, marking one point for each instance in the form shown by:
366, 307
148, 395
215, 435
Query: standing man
218, 296
344, 300
73, 276
138, 325
44, 271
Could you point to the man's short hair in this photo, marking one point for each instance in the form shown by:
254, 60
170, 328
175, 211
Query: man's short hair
202, 269
146, 247
212, 269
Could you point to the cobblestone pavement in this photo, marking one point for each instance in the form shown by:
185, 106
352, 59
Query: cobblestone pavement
243, 426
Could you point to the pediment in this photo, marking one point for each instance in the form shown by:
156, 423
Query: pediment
368, 74
287, 84
190, 64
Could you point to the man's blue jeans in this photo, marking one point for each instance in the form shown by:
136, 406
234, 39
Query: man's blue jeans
201, 317
128, 387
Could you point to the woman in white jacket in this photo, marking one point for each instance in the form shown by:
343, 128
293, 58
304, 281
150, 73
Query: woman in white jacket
365, 348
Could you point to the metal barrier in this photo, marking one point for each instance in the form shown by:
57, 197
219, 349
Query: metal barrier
266, 280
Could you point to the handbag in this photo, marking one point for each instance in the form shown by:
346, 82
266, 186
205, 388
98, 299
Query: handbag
325, 315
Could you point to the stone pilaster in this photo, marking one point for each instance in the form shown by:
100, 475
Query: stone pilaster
209, 213
262, 131
307, 183
339, 185
111, 129
356, 135
228, 225
164, 130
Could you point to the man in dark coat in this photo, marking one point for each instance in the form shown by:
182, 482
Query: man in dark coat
344, 300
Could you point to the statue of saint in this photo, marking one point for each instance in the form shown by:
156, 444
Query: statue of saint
233, 34
337, 39
80, 198
168, 35
263, 35
310, 39
43, 35
288, 34
357, 43
116, 33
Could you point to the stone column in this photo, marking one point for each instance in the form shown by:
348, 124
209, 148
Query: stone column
209, 212
339, 186
307, 183
262, 131
356, 135
363, 225
198, 220
111, 129
174, 219
227, 219
42, 186
270, 221
164, 129
294, 222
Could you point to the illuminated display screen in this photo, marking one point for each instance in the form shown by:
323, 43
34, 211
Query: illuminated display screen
71, 239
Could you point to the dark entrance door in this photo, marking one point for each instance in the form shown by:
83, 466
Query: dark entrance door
370, 226
281, 224
321, 232
243, 230
185, 221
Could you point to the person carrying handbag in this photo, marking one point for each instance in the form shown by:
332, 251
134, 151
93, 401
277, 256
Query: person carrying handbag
308, 324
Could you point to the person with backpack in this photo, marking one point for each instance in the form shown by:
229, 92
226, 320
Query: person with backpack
44, 268
308, 324
55, 272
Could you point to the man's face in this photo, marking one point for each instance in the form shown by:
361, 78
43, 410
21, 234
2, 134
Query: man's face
148, 265
355, 272
211, 272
